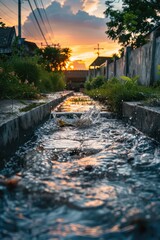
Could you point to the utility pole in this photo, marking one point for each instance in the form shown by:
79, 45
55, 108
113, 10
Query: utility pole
19, 23
98, 49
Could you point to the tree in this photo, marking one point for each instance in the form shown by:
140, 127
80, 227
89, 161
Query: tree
54, 59
133, 22
2, 24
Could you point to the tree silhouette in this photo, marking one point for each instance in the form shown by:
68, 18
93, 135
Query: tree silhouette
130, 24
54, 58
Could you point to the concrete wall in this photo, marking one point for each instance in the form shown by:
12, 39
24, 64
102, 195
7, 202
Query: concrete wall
18, 130
111, 70
120, 67
157, 60
145, 119
142, 62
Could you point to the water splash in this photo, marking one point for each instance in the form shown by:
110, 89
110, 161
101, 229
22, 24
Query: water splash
85, 120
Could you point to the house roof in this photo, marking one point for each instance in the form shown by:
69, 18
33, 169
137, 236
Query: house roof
99, 61
30, 45
6, 36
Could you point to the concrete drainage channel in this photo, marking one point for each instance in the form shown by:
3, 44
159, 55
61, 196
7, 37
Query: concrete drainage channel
18, 130
144, 118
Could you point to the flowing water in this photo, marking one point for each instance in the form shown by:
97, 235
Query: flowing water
91, 177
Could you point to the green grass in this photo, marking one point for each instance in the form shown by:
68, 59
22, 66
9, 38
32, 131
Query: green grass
114, 92
23, 78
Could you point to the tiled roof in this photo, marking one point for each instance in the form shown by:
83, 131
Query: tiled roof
6, 36
31, 45
99, 61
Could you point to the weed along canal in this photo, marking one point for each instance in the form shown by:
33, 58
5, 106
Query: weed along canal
82, 176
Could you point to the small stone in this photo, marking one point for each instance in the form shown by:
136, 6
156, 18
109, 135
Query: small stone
89, 168
130, 159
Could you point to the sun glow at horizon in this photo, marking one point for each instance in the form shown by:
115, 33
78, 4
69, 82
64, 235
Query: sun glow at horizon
78, 25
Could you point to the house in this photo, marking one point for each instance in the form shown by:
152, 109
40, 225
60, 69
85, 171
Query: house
75, 79
30, 47
99, 67
7, 38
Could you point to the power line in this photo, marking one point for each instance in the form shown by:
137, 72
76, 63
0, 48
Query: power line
11, 23
47, 18
41, 17
8, 8
32, 19
25, 31
37, 22
6, 18
39, 12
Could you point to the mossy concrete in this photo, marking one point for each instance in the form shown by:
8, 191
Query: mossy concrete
144, 118
18, 130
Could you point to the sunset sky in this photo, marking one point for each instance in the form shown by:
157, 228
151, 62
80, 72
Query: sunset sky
77, 24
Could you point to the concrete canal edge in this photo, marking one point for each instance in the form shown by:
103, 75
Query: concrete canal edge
20, 129
146, 119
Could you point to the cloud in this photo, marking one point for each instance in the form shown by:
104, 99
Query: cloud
75, 5
78, 64
72, 26
90, 5
86, 5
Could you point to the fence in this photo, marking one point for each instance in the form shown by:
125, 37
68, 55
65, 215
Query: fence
143, 62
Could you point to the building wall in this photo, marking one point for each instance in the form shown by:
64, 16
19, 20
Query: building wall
142, 62
157, 61
111, 70
120, 67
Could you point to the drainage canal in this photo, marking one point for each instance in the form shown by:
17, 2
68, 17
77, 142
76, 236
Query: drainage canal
82, 177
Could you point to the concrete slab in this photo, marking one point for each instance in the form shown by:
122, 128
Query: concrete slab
144, 118
17, 127
11, 108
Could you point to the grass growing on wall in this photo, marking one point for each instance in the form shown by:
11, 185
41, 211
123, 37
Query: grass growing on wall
115, 91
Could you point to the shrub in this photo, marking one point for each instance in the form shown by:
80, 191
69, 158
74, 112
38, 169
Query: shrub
93, 83
10, 87
116, 91
87, 84
51, 81
58, 82
97, 82
26, 70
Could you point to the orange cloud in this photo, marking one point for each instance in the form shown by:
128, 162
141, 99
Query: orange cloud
73, 27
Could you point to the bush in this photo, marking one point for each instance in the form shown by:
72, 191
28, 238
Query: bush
51, 81
87, 84
10, 87
58, 82
15, 71
94, 83
115, 91
26, 70
97, 82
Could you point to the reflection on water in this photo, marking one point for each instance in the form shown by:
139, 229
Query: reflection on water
97, 182
79, 103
